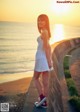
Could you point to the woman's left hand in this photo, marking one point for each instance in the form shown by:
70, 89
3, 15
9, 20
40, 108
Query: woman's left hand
50, 64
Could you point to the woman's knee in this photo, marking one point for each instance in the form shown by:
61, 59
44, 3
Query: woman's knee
36, 75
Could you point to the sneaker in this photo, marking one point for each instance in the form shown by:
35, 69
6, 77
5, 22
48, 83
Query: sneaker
37, 104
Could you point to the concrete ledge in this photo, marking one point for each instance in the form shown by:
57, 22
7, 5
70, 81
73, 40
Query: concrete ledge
31, 97
59, 51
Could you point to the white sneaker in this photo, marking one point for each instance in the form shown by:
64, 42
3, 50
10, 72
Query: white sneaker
37, 104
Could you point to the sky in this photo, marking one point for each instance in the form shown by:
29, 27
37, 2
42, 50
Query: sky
28, 11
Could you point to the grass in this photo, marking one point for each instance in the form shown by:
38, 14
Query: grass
74, 97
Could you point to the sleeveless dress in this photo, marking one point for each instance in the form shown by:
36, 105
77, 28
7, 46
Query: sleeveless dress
41, 63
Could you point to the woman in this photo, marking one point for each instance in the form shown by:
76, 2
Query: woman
43, 62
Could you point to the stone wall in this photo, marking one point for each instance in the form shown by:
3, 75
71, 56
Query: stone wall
74, 63
58, 92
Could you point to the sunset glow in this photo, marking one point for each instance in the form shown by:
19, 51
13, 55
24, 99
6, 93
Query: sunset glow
58, 33
28, 11
60, 9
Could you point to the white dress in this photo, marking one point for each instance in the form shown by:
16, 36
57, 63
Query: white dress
41, 63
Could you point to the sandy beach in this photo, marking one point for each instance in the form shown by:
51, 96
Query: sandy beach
15, 83
14, 88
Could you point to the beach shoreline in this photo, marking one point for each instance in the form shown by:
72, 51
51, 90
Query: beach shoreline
15, 83
12, 77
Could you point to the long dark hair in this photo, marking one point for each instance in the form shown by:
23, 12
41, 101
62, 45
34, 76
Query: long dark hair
45, 18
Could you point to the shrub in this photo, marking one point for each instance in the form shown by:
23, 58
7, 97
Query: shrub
74, 98
75, 101
67, 73
72, 87
73, 91
66, 62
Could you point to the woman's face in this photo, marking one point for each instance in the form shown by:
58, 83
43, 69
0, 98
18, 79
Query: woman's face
41, 23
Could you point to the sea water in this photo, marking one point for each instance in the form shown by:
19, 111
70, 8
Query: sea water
18, 45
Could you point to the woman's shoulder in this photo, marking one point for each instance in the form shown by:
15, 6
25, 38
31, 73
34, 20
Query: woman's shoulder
44, 34
44, 31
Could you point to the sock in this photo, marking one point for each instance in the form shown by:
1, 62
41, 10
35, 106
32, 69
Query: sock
41, 96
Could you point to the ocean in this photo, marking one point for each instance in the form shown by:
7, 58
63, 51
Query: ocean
18, 44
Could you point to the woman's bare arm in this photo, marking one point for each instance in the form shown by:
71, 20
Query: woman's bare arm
47, 47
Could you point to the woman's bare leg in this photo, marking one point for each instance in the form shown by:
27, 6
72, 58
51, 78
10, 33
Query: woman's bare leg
37, 82
45, 78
